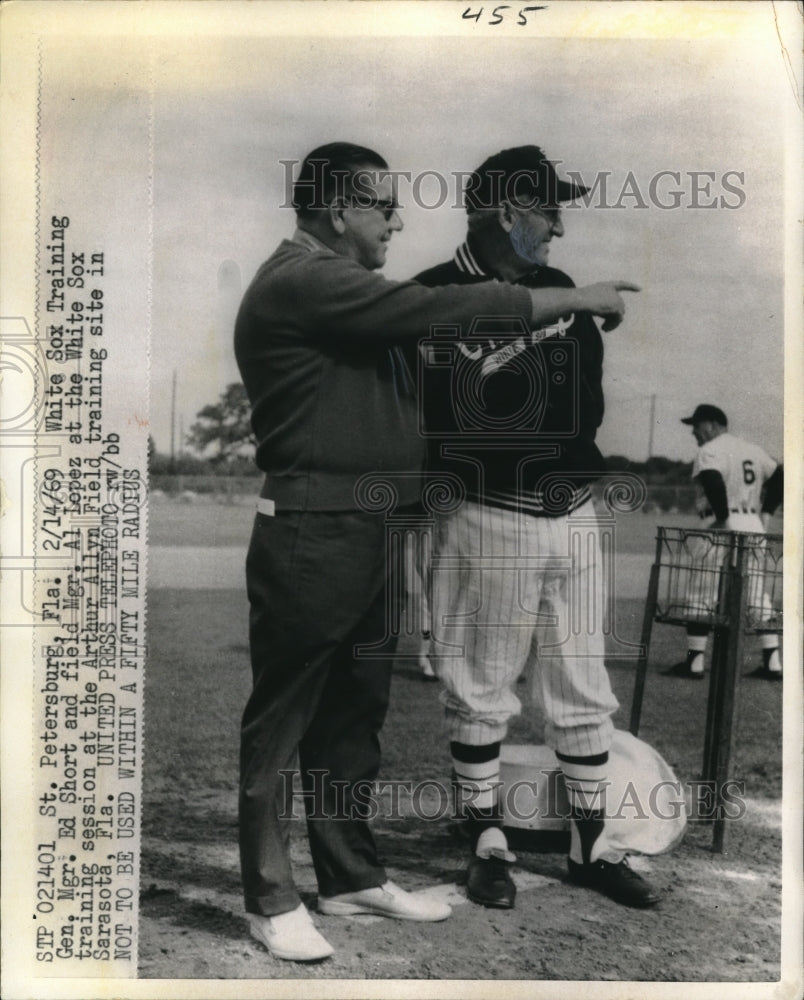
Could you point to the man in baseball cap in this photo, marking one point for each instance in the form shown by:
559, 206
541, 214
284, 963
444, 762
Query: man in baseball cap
523, 175
706, 413
739, 486
513, 415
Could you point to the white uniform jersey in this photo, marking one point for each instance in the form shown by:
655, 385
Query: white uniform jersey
745, 468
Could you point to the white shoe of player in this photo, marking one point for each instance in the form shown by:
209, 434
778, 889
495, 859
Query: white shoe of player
385, 901
291, 935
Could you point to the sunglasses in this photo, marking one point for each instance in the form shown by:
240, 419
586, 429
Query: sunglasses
552, 215
386, 206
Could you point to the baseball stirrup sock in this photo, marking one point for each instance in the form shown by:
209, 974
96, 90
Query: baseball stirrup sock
585, 781
697, 637
476, 783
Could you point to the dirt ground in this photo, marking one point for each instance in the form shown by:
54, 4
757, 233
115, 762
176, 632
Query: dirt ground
719, 919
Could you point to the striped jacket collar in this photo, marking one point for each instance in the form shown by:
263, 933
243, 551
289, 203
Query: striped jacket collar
466, 261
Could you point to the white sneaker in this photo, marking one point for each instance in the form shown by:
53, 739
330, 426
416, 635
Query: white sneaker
290, 935
385, 901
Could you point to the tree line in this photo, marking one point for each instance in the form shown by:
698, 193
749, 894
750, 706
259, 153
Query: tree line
222, 441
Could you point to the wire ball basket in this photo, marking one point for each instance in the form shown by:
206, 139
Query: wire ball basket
694, 578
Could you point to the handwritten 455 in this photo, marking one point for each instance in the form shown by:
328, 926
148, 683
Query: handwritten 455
497, 17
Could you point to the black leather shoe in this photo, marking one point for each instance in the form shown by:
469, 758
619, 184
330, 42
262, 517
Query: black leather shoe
764, 674
617, 881
489, 882
682, 669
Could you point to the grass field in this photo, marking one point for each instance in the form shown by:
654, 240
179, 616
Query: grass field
720, 917
210, 521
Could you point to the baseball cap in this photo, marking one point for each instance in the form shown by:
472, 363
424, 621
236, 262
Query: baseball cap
705, 411
522, 172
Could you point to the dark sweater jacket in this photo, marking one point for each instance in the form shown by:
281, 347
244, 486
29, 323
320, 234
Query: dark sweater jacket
330, 401
537, 399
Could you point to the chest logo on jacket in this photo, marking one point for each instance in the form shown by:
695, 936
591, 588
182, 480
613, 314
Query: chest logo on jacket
495, 355
534, 388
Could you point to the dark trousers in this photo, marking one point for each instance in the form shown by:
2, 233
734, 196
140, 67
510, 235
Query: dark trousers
317, 587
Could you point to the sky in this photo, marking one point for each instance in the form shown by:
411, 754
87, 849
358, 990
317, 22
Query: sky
708, 323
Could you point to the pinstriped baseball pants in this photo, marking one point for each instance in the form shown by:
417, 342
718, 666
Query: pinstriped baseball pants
512, 591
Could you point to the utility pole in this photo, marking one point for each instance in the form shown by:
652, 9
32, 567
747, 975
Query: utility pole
652, 424
173, 426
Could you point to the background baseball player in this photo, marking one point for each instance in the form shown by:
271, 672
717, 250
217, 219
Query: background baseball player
739, 488
514, 414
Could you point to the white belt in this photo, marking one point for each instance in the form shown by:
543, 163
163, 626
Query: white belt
732, 510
